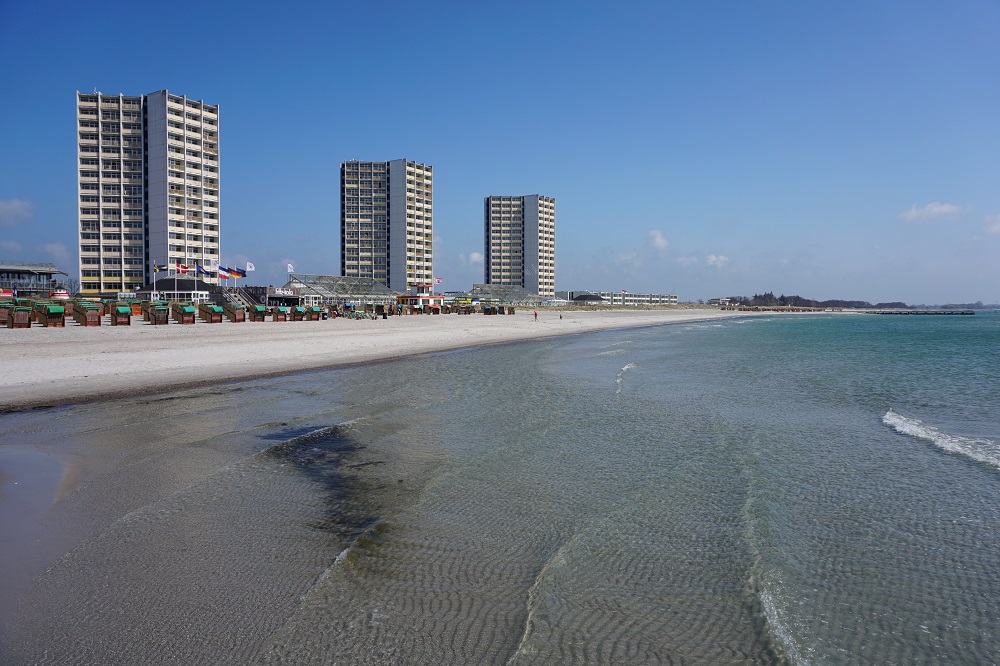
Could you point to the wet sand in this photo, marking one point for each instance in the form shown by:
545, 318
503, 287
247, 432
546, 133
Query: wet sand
55, 366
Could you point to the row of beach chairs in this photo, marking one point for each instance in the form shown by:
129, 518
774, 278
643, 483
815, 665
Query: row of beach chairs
23, 313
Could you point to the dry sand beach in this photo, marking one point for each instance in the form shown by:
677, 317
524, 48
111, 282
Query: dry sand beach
57, 366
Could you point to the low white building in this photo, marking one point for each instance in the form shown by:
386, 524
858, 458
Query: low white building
622, 298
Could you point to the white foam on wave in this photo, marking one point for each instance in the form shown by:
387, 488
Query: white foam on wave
767, 582
621, 377
775, 622
980, 450
612, 352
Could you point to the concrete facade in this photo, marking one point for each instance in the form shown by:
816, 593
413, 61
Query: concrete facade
148, 187
387, 222
520, 242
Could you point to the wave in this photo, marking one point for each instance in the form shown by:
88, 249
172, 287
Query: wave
621, 377
980, 450
535, 624
773, 616
613, 352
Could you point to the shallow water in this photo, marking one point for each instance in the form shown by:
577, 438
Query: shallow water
809, 489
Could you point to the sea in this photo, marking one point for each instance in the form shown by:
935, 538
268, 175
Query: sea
788, 489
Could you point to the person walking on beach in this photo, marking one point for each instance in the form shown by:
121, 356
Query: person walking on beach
536, 316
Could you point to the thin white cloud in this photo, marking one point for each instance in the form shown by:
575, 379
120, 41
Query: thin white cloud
717, 260
993, 225
629, 259
13, 211
474, 259
57, 252
10, 246
687, 261
658, 240
930, 212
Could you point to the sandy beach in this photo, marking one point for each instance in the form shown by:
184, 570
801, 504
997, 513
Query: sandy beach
62, 365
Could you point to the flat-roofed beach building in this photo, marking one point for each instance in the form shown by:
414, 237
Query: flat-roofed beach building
620, 298
148, 187
387, 222
29, 278
520, 242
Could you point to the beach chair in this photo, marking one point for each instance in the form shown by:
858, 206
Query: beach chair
50, 315
235, 312
87, 313
121, 316
19, 317
158, 315
210, 313
183, 313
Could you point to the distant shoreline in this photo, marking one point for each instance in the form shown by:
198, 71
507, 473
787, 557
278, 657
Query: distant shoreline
45, 367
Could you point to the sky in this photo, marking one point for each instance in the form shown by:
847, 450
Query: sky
832, 150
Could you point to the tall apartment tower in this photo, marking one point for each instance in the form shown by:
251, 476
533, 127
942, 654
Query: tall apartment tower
387, 222
148, 187
520, 242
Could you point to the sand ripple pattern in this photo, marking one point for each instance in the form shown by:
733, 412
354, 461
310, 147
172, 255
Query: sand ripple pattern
200, 575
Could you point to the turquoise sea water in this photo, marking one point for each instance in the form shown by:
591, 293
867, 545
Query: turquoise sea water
805, 489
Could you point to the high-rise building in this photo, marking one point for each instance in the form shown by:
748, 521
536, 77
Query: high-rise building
387, 222
520, 244
148, 187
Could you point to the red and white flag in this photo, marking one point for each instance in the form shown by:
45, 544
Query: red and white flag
181, 268
438, 280
624, 291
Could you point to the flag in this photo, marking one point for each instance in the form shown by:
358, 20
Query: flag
223, 272
291, 269
237, 273
250, 267
213, 264
160, 267
438, 280
181, 268
198, 270
624, 292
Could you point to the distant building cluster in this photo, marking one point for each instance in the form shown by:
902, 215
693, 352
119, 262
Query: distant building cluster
148, 189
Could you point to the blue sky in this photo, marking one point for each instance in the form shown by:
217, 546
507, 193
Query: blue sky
827, 149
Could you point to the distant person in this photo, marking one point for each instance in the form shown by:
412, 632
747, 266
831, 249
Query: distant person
536, 316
